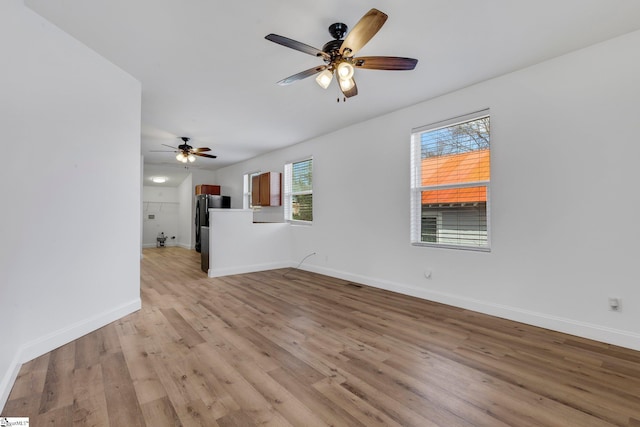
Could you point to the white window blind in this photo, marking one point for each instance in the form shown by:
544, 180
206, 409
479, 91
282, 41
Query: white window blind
298, 191
450, 164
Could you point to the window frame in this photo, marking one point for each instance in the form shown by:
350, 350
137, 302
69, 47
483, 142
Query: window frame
288, 193
417, 189
246, 186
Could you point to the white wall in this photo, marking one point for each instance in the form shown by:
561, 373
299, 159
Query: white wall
69, 253
160, 214
564, 197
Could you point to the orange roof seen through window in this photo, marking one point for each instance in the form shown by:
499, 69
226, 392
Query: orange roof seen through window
455, 169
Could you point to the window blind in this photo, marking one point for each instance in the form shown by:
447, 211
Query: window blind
298, 190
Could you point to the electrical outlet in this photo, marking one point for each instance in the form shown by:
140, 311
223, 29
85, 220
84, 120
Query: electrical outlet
615, 304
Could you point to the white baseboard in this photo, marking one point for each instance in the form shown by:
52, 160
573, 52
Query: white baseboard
241, 269
592, 331
53, 340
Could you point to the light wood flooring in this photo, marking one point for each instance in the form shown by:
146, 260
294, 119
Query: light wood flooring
292, 348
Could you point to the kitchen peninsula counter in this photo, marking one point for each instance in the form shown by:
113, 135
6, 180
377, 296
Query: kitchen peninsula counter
238, 245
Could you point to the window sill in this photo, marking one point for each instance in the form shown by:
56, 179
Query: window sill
462, 248
302, 223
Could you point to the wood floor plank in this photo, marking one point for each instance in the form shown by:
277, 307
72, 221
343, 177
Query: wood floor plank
30, 381
281, 399
315, 401
58, 390
236, 419
122, 402
435, 403
250, 401
58, 417
189, 336
293, 348
198, 414
160, 413
90, 411
145, 379
299, 367
87, 382
88, 351
355, 406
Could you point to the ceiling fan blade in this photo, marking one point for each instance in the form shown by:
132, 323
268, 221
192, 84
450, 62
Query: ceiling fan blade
352, 91
364, 30
293, 44
170, 146
385, 63
201, 149
205, 155
302, 75
162, 151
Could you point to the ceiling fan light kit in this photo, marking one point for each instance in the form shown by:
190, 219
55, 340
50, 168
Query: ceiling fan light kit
338, 54
345, 70
346, 84
185, 157
324, 79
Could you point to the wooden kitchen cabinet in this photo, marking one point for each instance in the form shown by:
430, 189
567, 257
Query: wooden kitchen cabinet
207, 189
265, 189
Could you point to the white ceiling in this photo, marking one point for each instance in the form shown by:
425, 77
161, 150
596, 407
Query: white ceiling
208, 73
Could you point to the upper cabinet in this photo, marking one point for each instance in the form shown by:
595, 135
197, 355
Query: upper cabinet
207, 189
265, 189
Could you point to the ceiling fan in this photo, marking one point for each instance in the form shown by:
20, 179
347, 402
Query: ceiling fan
187, 153
338, 54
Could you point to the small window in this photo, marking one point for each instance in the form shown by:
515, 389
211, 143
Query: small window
298, 191
450, 164
246, 190
429, 229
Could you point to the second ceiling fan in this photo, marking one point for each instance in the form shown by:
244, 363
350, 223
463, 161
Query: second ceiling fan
186, 152
338, 54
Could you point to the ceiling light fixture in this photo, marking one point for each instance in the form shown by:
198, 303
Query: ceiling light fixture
345, 70
346, 85
159, 179
324, 78
191, 158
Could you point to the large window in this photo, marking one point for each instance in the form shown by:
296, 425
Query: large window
298, 190
450, 178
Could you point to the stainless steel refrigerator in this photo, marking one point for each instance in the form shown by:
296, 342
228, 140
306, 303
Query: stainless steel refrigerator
204, 202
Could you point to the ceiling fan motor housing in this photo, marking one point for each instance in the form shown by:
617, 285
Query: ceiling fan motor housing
185, 148
332, 48
338, 30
